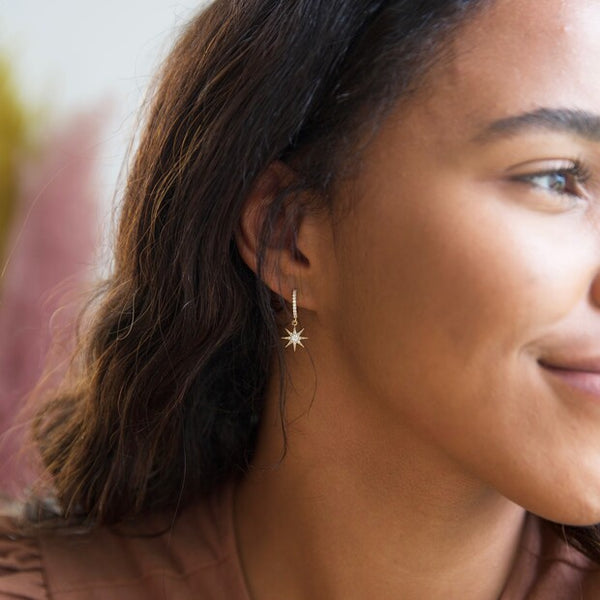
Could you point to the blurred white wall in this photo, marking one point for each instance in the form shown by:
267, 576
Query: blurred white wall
75, 55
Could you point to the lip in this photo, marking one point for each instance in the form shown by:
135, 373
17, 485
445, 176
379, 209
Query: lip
589, 363
582, 374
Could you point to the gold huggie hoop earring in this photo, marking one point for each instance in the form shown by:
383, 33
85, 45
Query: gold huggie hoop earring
294, 337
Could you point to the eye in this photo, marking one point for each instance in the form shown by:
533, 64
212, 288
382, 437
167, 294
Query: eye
565, 181
562, 182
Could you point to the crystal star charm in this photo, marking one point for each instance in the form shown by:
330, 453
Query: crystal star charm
294, 338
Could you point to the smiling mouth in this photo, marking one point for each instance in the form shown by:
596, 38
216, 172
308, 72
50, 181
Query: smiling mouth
583, 375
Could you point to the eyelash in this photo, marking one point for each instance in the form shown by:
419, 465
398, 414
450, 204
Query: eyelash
577, 171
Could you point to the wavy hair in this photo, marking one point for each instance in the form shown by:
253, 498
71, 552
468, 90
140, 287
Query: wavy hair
166, 389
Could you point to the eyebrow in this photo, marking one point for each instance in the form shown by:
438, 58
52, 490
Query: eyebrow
561, 120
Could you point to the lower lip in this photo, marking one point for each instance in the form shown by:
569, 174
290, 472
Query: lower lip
586, 381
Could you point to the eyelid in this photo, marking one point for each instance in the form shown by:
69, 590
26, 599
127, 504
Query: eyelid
547, 166
572, 167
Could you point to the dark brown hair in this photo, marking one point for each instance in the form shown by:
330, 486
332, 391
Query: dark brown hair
166, 390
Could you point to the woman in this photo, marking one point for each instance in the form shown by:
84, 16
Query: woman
351, 344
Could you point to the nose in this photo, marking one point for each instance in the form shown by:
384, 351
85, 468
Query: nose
596, 290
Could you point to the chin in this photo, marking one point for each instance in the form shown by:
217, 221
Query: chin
577, 508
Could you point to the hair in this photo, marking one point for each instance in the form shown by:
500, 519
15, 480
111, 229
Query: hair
166, 388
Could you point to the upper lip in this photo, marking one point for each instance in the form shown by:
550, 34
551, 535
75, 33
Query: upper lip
586, 364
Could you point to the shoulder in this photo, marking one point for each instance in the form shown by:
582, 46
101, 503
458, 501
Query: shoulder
188, 554
21, 570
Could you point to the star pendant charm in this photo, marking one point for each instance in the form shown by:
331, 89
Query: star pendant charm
294, 337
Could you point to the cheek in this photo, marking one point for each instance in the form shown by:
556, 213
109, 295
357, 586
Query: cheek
443, 310
444, 303
467, 277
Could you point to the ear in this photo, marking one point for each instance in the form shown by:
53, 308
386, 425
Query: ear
290, 257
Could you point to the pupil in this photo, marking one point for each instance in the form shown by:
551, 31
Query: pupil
560, 183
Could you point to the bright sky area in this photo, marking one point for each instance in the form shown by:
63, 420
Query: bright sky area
74, 55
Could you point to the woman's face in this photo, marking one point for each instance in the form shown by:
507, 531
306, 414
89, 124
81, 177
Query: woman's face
469, 262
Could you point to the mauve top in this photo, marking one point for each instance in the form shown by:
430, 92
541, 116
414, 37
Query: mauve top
194, 557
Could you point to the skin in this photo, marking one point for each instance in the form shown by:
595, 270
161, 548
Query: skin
422, 424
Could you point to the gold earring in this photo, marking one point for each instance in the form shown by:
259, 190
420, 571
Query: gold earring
294, 337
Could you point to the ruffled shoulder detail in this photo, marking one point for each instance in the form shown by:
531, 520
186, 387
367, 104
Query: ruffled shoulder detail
21, 569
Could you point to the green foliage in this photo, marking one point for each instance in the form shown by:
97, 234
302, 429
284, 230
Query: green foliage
13, 143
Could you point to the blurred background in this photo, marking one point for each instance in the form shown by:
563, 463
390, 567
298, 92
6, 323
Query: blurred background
73, 76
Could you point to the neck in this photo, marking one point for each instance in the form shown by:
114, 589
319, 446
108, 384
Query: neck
349, 513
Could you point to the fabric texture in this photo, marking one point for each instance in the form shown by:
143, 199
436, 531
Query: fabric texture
191, 557
194, 557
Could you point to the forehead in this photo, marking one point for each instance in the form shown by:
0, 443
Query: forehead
516, 56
